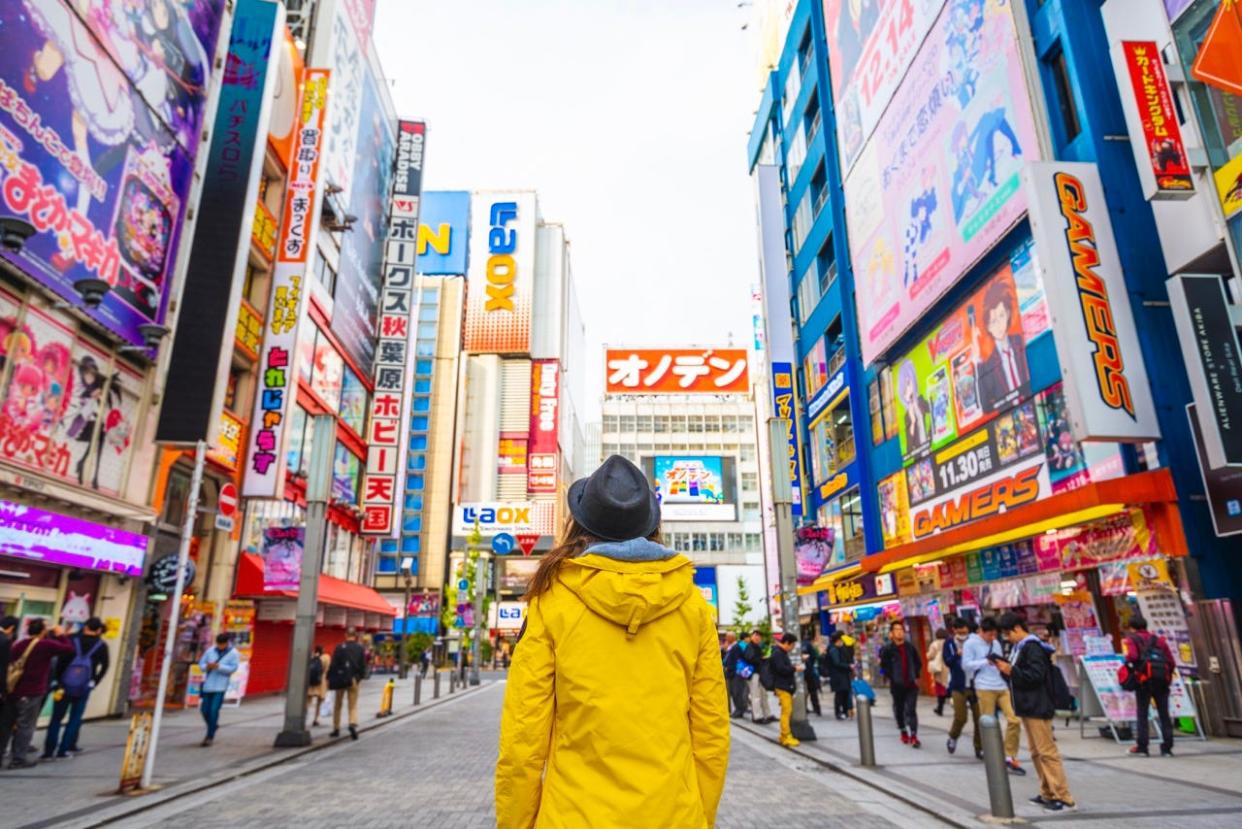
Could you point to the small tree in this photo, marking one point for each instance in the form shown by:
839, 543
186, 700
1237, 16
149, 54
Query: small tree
742, 608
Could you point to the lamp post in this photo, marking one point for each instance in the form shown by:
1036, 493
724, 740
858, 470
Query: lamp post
407, 564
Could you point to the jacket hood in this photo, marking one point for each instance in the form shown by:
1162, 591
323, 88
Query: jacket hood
629, 593
636, 549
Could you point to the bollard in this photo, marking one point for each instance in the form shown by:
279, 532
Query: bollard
435, 686
866, 734
453, 682
999, 796
418, 689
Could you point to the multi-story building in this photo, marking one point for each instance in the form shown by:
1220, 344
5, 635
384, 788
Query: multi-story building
974, 437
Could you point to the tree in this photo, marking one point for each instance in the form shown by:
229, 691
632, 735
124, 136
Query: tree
741, 609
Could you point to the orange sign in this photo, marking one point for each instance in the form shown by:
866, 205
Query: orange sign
677, 371
1165, 151
286, 101
1219, 62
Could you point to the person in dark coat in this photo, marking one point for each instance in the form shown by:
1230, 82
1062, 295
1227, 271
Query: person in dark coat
8, 712
40, 648
760, 712
1142, 647
87, 642
734, 667
900, 662
345, 672
840, 674
810, 667
785, 678
962, 695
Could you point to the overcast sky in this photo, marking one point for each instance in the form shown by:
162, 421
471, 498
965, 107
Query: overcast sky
629, 117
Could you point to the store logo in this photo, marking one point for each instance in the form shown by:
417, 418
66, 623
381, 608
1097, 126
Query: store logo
1097, 311
849, 591
501, 266
1009, 492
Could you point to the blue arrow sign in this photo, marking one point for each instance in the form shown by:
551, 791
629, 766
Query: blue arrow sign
463, 585
503, 544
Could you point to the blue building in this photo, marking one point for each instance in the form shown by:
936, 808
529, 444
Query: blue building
990, 408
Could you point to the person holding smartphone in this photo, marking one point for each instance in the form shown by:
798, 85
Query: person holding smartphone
980, 660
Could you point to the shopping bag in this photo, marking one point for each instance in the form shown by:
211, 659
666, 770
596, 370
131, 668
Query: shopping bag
862, 688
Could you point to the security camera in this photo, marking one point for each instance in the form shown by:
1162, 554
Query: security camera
14, 232
92, 291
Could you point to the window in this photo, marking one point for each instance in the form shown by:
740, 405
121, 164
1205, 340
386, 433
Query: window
834, 346
888, 403
1064, 91
698, 542
427, 331
875, 408
750, 511
414, 483
843, 429
793, 86
418, 424
752, 542
422, 387
808, 296
804, 217
422, 404
660, 423
418, 443
386, 564
422, 367
826, 265
325, 274
747, 453
815, 369
411, 522
851, 525
728, 423
712, 423
425, 348
609, 424
628, 424
416, 461
694, 423
644, 423
411, 544
832, 441
431, 295
750, 482
796, 154
715, 542
819, 190
414, 502
428, 313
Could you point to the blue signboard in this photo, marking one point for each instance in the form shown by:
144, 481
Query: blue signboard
503, 544
783, 407
443, 228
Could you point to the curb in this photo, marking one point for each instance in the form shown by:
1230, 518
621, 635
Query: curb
128, 806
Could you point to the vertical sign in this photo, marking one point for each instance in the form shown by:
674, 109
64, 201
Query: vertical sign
545, 404
502, 273
390, 404
1161, 157
783, 407
1106, 387
265, 475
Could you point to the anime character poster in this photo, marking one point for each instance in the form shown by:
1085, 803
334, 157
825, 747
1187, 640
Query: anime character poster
282, 557
939, 181
813, 551
67, 411
101, 102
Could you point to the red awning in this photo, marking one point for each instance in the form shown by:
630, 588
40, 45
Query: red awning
333, 591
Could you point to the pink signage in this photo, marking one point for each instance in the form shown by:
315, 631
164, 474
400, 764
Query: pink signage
30, 533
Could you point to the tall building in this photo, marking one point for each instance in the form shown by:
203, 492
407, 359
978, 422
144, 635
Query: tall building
977, 433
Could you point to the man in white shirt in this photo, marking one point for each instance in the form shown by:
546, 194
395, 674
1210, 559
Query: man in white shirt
979, 656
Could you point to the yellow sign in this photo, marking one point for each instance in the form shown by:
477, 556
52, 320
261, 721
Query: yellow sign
112, 627
227, 445
1229, 186
263, 231
1149, 575
833, 485
249, 330
135, 759
846, 591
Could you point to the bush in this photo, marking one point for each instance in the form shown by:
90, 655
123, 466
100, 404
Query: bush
415, 644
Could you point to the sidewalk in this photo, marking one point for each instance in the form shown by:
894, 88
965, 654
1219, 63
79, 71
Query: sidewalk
1201, 785
81, 791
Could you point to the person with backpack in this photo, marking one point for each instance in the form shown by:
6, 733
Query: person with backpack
899, 661
28, 675
810, 665
316, 683
1151, 663
217, 664
1033, 684
76, 677
346, 670
753, 655
737, 675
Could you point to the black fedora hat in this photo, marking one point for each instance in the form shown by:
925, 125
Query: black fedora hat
615, 503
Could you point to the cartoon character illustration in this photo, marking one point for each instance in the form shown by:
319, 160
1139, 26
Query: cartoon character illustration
1003, 374
1166, 155
975, 152
855, 21
54, 359
84, 416
922, 210
24, 406
963, 42
918, 411
77, 609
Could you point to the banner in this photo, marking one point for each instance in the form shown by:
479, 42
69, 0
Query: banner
282, 557
1163, 167
1105, 379
974, 363
388, 427
97, 144
265, 474
939, 182
783, 406
694, 487
50, 538
813, 549
677, 371
543, 447
502, 273
443, 231
1223, 485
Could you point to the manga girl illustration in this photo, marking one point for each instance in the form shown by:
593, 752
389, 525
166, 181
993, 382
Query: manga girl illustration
86, 412
918, 412
922, 210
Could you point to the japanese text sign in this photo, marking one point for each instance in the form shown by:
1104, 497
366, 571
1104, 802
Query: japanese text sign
677, 371
783, 408
545, 403
1161, 155
265, 474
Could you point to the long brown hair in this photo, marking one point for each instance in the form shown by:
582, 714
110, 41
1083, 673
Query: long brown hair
574, 541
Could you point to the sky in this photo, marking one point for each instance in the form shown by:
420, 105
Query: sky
629, 117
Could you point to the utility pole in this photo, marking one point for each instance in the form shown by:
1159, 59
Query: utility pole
407, 564
174, 609
318, 490
480, 621
782, 503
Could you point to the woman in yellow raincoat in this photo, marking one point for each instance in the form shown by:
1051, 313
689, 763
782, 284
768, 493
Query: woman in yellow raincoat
615, 711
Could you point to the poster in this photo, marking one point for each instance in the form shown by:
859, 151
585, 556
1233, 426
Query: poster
1166, 617
813, 551
694, 487
282, 558
894, 509
1126, 535
1119, 706
939, 181
100, 115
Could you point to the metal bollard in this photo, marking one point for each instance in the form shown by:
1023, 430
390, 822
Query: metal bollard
418, 689
999, 796
866, 733
453, 682
435, 686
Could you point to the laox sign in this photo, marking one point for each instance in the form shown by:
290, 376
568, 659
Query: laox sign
494, 517
487, 516
501, 266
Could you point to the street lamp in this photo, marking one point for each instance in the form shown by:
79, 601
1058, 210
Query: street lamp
407, 565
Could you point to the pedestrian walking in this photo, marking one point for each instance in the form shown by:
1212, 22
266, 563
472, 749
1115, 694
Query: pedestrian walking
938, 670
737, 673
217, 664
29, 675
346, 670
760, 711
1030, 673
1150, 661
899, 661
425, 662
619, 660
316, 683
785, 677
961, 694
981, 657
810, 673
8, 707
840, 675
76, 677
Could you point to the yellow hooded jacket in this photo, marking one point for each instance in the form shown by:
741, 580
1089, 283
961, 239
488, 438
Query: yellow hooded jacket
615, 714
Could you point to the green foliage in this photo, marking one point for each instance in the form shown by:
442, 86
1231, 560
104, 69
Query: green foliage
415, 644
742, 608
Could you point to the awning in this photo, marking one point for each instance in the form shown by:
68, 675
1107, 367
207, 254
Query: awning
332, 591
821, 582
1153, 489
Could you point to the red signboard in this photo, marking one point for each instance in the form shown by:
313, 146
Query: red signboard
527, 542
677, 371
1161, 136
545, 403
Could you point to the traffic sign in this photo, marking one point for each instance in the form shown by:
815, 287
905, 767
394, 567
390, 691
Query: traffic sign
527, 542
503, 544
224, 523
463, 585
227, 502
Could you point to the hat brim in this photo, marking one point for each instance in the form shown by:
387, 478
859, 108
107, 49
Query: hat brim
574, 499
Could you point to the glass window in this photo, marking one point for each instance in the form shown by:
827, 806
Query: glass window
418, 424
815, 368
660, 423
1066, 105
414, 483
416, 461
750, 482
752, 542
796, 154
422, 367
877, 412
297, 433
698, 542
418, 443
428, 313
414, 502
431, 295
609, 423
422, 404
410, 544
353, 408
386, 564
715, 542
425, 348
422, 387
411, 522
851, 524
888, 404
694, 423
803, 219
427, 331
747, 453
644, 423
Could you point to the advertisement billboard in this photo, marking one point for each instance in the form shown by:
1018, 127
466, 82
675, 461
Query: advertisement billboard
783, 406
973, 364
870, 47
97, 144
1163, 167
1105, 378
545, 405
495, 517
282, 557
36, 535
286, 98
813, 552
390, 405
265, 476
939, 181
1223, 485
694, 487
677, 371
443, 233
502, 273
